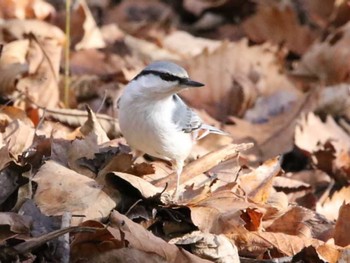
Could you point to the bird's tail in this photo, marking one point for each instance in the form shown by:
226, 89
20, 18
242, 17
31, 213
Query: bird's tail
206, 129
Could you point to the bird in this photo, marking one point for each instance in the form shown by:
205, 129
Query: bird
155, 120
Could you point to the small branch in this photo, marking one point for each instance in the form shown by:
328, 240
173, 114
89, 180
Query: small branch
63, 250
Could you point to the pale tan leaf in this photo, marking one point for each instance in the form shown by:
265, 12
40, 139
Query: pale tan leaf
76, 118
258, 184
17, 28
332, 204
143, 240
92, 125
278, 22
41, 84
63, 190
217, 248
92, 37
18, 136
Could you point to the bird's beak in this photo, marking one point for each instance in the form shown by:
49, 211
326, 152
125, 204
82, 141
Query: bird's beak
191, 83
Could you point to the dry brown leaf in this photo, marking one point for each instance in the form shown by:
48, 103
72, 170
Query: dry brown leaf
311, 132
257, 185
14, 29
18, 136
84, 23
297, 221
76, 118
205, 163
25, 9
275, 136
188, 46
143, 240
328, 60
144, 19
63, 190
234, 74
256, 243
198, 6
217, 248
282, 182
219, 212
333, 203
41, 85
322, 253
12, 225
278, 22
146, 189
342, 228
13, 64
93, 126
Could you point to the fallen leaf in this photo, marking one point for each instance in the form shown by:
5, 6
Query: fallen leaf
341, 237
12, 225
83, 21
278, 22
217, 248
330, 207
63, 190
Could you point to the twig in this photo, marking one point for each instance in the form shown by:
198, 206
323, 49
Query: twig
67, 54
63, 250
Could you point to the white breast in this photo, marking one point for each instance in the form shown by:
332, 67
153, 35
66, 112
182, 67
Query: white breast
147, 126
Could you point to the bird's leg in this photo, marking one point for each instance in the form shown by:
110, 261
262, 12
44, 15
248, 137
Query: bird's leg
178, 165
136, 154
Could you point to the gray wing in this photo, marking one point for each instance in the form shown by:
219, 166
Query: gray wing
185, 118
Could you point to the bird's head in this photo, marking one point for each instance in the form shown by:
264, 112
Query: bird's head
163, 78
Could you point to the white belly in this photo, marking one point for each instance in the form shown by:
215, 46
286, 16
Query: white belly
151, 131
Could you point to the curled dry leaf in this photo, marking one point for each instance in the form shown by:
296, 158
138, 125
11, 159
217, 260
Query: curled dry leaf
328, 60
278, 22
144, 19
219, 212
328, 142
41, 84
63, 190
299, 221
330, 207
341, 231
84, 22
256, 243
145, 188
275, 136
17, 28
76, 118
188, 46
13, 65
124, 240
235, 74
136, 235
217, 248
18, 136
13, 224
198, 6
92, 125
205, 163
258, 184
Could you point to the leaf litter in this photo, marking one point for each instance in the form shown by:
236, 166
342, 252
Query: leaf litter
276, 78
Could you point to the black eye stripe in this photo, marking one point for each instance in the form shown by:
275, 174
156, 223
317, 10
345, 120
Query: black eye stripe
163, 75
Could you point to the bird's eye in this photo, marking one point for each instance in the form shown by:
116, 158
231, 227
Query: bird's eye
169, 77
